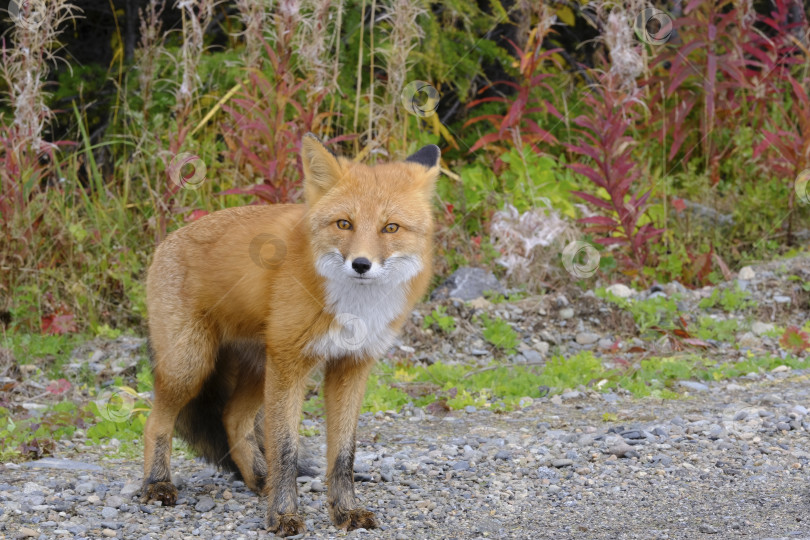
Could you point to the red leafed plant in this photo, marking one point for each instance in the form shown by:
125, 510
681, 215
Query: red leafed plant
786, 126
703, 74
515, 128
602, 137
59, 322
58, 387
795, 340
788, 139
262, 141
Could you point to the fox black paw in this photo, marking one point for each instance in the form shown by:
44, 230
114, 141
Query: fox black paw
285, 524
165, 492
356, 519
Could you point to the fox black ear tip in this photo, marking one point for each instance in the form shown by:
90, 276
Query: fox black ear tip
427, 156
310, 135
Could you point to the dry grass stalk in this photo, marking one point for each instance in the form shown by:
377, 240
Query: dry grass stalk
197, 15
359, 76
315, 38
26, 62
402, 16
287, 21
370, 133
254, 16
747, 13
149, 48
626, 62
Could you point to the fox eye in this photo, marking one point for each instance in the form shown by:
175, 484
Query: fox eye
391, 227
344, 224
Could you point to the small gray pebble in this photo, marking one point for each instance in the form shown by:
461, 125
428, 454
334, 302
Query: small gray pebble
317, 485
114, 501
84, 488
109, 513
205, 504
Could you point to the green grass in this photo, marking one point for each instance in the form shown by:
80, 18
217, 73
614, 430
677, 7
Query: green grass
658, 311
752, 364
381, 396
130, 430
32, 434
709, 328
497, 298
26, 435
498, 387
440, 319
51, 350
729, 299
503, 387
656, 315
499, 334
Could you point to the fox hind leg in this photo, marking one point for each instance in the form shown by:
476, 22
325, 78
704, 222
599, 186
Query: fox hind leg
179, 375
241, 416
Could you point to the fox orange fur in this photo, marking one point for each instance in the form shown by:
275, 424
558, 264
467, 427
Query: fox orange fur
244, 303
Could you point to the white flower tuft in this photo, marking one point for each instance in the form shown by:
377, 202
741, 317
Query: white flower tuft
520, 238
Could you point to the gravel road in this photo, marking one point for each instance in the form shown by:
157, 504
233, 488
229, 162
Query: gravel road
727, 461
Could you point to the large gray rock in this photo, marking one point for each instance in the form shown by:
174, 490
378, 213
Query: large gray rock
694, 386
64, 464
707, 216
468, 284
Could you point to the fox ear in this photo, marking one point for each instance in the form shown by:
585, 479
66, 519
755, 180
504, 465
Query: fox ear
322, 169
428, 157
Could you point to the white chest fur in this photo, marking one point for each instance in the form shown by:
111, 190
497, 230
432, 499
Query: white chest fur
363, 315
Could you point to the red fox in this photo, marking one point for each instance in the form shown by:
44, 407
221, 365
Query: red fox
244, 303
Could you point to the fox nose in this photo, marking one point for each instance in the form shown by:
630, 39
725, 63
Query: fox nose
361, 265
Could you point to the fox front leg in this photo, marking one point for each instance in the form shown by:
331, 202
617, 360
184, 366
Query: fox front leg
284, 398
344, 387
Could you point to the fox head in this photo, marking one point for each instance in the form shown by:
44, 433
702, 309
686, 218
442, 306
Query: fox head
369, 224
